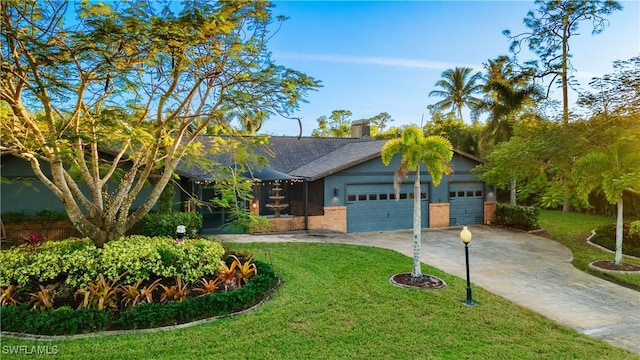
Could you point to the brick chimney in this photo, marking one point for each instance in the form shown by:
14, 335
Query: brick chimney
360, 128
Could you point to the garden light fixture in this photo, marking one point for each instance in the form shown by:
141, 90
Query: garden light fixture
181, 232
465, 236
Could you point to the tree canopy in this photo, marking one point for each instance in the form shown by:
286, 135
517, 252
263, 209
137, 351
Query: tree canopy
457, 88
111, 96
551, 27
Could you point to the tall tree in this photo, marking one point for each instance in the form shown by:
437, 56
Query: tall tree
379, 123
617, 93
551, 27
463, 137
458, 88
613, 167
435, 153
507, 95
138, 81
336, 125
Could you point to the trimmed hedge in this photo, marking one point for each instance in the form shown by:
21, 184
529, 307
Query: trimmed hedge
78, 261
606, 236
66, 321
519, 217
154, 224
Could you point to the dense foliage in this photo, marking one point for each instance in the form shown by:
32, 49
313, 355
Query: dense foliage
104, 99
520, 217
65, 320
159, 224
76, 262
605, 236
40, 216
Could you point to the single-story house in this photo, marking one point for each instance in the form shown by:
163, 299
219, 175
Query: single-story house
313, 183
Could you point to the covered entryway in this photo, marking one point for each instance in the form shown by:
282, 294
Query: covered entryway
373, 207
466, 203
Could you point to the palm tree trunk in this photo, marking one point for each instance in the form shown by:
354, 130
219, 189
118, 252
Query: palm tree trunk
417, 229
619, 225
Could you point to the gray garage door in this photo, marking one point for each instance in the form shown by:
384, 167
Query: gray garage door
466, 203
373, 207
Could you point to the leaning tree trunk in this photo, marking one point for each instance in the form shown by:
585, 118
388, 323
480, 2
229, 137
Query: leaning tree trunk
619, 225
417, 229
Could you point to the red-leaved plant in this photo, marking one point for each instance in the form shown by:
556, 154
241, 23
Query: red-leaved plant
33, 240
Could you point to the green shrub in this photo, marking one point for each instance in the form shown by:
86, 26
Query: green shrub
42, 215
145, 258
160, 314
78, 261
606, 237
154, 224
634, 228
74, 259
65, 320
520, 217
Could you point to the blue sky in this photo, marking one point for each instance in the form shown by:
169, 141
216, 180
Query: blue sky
386, 56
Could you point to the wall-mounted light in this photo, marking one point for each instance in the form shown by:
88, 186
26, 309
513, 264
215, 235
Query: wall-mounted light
254, 204
335, 192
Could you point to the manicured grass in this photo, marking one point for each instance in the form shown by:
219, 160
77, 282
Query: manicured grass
572, 230
336, 303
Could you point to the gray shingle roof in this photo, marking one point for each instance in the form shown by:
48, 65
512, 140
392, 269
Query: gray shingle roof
309, 157
348, 155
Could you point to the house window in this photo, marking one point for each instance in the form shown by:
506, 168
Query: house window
392, 196
479, 193
351, 198
362, 197
452, 194
383, 197
373, 196
403, 196
460, 193
469, 193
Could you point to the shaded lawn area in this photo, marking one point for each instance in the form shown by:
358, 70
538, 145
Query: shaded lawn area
572, 229
336, 303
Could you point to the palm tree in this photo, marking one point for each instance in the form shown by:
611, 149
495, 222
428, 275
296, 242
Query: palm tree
458, 87
614, 168
435, 152
507, 94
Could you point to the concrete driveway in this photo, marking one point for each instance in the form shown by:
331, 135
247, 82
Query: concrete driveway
529, 270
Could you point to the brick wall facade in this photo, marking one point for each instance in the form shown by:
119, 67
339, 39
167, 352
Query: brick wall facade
490, 212
46, 230
438, 215
334, 218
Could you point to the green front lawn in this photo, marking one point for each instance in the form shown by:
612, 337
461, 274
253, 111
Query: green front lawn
572, 230
336, 303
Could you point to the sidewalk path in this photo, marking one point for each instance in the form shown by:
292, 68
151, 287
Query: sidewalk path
532, 271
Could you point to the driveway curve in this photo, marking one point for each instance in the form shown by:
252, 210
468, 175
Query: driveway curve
532, 271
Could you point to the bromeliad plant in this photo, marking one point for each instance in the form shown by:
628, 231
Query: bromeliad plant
207, 286
176, 293
41, 299
245, 270
132, 294
8, 295
100, 294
